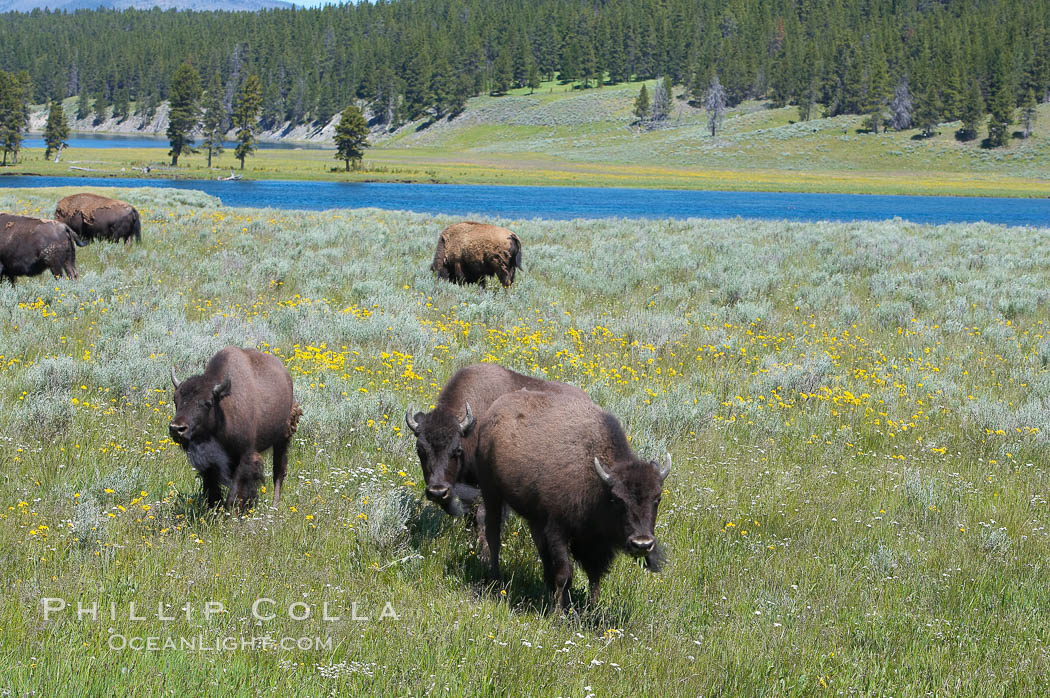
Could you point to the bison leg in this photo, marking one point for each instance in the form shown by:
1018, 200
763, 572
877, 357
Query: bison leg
561, 566
505, 276
280, 469
493, 530
245, 487
595, 562
212, 489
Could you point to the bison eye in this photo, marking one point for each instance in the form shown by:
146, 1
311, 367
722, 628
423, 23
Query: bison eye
458, 452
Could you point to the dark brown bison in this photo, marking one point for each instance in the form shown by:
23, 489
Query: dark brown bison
565, 466
97, 217
28, 246
468, 252
225, 418
446, 438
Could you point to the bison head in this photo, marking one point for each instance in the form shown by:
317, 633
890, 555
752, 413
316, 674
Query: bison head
635, 487
196, 407
438, 443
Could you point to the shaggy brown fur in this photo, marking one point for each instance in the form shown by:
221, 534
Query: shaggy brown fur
565, 466
225, 418
92, 216
468, 252
28, 246
446, 440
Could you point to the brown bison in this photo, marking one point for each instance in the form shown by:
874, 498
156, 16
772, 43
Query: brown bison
28, 246
96, 217
468, 252
565, 466
225, 418
446, 438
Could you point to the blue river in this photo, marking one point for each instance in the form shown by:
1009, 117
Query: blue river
524, 202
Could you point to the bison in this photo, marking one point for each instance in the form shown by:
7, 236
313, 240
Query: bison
468, 252
97, 217
225, 418
28, 246
446, 438
565, 466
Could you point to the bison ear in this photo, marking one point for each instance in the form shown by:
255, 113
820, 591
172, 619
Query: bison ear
602, 473
221, 390
468, 422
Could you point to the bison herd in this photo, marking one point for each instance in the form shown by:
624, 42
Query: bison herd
28, 245
495, 441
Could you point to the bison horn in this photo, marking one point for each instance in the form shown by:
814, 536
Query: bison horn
410, 421
174, 380
666, 470
468, 421
606, 477
221, 389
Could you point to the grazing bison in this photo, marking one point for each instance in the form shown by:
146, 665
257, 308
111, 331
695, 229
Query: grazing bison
565, 466
96, 217
446, 438
468, 252
28, 246
225, 418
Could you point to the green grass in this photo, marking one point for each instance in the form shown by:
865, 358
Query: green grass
565, 136
857, 415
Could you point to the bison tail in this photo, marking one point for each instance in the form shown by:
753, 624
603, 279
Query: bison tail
293, 420
76, 239
136, 225
439, 255
516, 254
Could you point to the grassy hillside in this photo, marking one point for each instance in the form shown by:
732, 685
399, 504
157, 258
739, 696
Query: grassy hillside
857, 415
561, 135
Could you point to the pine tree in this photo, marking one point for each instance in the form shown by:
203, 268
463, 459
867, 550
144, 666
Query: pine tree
641, 104
660, 105
351, 137
184, 113
875, 96
83, 106
15, 93
502, 73
246, 108
1028, 113
214, 118
715, 103
972, 111
1001, 113
900, 107
100, 107
534, 77
56, 131
121, 104
928, 113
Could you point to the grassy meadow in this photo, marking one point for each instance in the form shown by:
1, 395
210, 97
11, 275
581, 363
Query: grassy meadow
858, 416
565, 136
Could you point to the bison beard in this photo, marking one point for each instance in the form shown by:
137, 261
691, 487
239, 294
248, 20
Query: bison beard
565, 466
